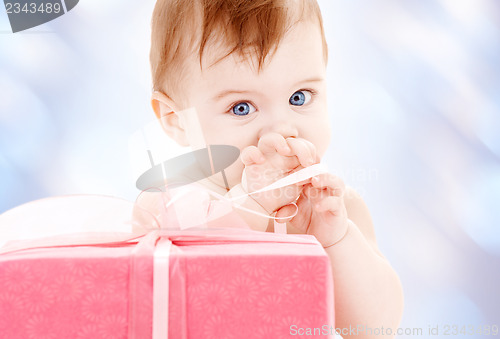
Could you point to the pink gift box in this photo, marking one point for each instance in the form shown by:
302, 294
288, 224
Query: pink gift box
244, 284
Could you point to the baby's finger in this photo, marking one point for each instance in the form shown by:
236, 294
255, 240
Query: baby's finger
329, 181
304, 150
273, 142
332, 204
252, 155
315, 195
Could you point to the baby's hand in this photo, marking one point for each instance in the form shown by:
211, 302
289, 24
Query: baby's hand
321, 209
272, 159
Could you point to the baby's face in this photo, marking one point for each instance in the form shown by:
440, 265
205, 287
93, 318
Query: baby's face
237, 106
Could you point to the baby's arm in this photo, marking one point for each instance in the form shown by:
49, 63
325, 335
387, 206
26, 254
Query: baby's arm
368, 292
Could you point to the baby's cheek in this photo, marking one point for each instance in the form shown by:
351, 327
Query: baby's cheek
321, 144
324, 141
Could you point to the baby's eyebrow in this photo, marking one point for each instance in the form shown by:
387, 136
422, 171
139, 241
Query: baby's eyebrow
228, 92
318, 79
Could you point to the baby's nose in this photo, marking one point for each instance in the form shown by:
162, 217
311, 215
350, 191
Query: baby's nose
282, 124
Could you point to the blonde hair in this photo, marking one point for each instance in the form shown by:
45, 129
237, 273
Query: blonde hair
251, 28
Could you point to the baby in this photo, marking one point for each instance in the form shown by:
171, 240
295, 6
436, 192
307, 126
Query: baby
253, 73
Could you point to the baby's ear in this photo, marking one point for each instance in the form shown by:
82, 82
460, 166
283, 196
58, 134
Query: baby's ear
164, 110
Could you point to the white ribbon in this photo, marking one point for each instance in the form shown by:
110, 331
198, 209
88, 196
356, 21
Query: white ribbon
303, 174
161, 270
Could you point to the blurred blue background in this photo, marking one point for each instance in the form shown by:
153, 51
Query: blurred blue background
414, 95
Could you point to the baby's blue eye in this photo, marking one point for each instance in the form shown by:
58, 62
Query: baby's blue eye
243, 108
300, 98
